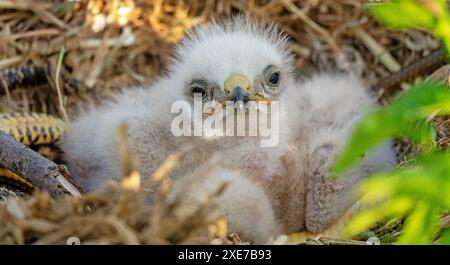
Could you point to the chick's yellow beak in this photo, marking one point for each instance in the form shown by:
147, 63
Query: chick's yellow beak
237, 88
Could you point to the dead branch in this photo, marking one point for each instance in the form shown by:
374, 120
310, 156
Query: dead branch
333, 241
39, 171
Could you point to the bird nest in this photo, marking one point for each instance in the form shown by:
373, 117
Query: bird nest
56, 55
113, 215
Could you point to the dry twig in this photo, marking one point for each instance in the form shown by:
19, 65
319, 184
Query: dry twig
37, 170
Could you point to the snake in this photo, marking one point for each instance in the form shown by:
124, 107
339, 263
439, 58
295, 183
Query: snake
31, 129
423, 66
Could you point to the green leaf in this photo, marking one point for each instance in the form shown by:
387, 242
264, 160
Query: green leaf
420, 190
445, 239
421, 225
429, 178
364, 220
422, 133
402, 14
406, 116
441, 31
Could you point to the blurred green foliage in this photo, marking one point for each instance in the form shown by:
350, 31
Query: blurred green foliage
432, 15
420, 191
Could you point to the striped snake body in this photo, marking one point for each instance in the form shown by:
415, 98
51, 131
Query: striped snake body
29, 129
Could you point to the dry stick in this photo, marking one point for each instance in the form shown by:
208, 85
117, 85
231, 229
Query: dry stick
8, 62
445, 222
7, 92
340, 58
45, 15
58, 87
39, 171
13, 5
36, 33
333, 241
442, 74
18, 5
378, 51
131, 179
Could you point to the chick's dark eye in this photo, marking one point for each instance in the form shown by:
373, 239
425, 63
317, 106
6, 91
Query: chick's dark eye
198, 87
198, 90
274, 78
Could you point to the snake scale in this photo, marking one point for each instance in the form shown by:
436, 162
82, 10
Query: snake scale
30, 129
